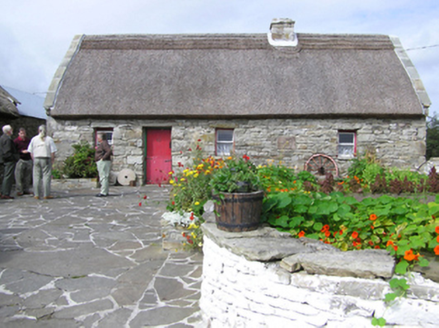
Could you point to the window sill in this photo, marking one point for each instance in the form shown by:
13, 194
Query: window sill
345, 157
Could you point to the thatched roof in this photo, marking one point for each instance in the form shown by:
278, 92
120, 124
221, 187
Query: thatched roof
8, 104
235, 75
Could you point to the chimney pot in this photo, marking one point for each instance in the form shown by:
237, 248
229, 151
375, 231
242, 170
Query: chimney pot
282, 29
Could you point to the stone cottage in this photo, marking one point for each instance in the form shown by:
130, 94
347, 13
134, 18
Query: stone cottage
314, 100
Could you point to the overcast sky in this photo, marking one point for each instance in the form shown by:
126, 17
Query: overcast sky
35, 34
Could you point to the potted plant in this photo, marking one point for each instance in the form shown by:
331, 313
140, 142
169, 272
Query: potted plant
236, 190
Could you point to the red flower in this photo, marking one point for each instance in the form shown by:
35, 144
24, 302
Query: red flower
199, 140
140, 204
436, 250
327, 233
355, 235
372, 217
437, 229
144, 197
173, 203
377, 247
246, 158
371, 243
301, 234
192, 216
190, 149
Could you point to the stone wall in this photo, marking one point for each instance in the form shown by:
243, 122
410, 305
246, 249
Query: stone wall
398, 142
238, 290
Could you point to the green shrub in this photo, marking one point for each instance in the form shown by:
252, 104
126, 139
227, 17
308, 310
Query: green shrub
81, 164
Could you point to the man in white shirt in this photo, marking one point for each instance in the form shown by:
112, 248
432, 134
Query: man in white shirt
42, 150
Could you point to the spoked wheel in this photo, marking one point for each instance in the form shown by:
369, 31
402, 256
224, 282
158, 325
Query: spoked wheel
320, 164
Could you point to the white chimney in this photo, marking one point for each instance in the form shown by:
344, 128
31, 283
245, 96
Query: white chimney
282, 32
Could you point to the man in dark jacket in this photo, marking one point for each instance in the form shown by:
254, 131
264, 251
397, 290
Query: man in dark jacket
9, 156
23, 169
103, 162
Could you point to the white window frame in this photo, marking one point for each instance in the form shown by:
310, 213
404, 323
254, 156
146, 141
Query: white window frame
108, 133
219, 144
352, 145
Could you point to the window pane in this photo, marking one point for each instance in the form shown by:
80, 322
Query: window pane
345, 150
225, 135
346, 138
224, 149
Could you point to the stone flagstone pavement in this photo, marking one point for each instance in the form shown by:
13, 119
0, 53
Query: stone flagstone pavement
83, 261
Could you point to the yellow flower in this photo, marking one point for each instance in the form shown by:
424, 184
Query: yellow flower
182, 179
229, 158
196, 175
171, 181
207, 172
197, 203
200, 166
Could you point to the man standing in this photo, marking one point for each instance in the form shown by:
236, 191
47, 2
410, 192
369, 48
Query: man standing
103, 162
23, 169
42, 150
9, 156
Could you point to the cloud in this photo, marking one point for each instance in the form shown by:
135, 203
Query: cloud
35, 35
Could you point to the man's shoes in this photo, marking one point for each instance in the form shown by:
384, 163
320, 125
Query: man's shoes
36, 197
20, 194
101, 195
48, 197
27, 193
7, 197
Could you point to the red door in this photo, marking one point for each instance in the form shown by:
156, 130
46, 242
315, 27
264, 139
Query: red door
158, 156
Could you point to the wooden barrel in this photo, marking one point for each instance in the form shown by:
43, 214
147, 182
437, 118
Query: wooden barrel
236, 212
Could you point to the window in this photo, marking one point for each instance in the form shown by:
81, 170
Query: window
108, 132
347, 143
224, 141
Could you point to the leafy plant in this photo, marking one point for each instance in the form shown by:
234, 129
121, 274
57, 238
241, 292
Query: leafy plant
236, 175
81, 164
190, 186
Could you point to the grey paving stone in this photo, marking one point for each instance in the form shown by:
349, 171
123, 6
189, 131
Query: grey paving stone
161, 316
81, 261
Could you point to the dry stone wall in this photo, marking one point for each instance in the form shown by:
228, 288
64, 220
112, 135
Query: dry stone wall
398, 142
239, 289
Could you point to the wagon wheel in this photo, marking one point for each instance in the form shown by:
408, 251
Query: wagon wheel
320, 164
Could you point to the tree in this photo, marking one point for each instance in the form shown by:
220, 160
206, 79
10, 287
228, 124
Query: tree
432, 137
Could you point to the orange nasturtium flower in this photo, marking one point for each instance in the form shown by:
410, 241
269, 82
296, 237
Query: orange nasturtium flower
436, 250
301, 234
409, 256
355, 235
437, 229
325, 228
372, 217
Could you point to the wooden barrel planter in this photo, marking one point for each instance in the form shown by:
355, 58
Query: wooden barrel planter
236, 212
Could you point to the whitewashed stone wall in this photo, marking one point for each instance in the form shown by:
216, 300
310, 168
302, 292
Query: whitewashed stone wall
398, 142
236, 292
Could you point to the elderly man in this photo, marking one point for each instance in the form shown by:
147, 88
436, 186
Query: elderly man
103, 162
23, 169
9, 157
42, 149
